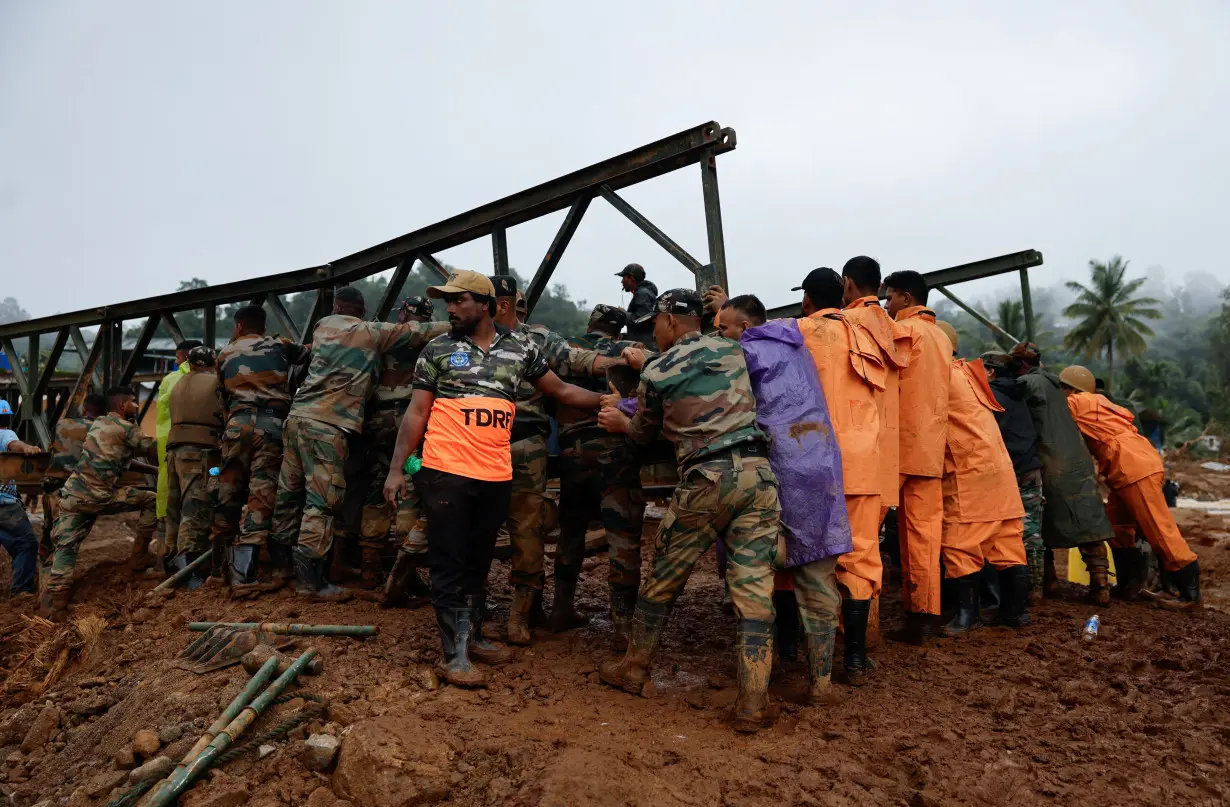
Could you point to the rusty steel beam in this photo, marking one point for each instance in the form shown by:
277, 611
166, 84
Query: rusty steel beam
282, 315
211, 327
434, 265
138, 350
89, 370
650, 229
393, 290
715, 272
173, 327
555, 252
53, 359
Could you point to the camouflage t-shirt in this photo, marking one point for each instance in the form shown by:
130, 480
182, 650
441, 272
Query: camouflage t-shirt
565, 361
346, 354
574, 420
699, 395
395, 384
254, 372
109, 445
66, 447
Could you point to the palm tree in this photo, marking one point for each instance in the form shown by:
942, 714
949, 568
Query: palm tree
1109, 315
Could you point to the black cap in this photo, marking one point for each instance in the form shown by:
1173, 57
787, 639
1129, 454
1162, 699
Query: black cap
632, 270
611, 315
682, 302
418, 307
821, 284
505, 285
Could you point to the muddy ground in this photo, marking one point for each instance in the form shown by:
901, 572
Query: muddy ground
1139, 716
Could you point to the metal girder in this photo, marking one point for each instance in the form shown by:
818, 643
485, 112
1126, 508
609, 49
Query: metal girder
649, 161
322, 305
976, 314
650, 229
1027, 306
53, 359
83, 351
434, 265
138, 350
713, 225
89, 365
211, 326
282, 315
393, 290
24, 388
499, 250
149, 400
556, 251
173, 327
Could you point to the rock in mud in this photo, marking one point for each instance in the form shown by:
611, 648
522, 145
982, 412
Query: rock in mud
321, 797
393, 761
170, 734
42, 730
103, 783
145, 743
157, 768
220, 791
16, 725
124, 758
319, 752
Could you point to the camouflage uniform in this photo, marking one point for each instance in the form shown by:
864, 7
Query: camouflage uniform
192, 449
602, 469
91, 491
253, 372
66, 448
346, 352
1035, 548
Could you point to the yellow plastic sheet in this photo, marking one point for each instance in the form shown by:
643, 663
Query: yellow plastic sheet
1079, 573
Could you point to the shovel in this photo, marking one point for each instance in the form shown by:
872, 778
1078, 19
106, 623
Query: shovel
222, 646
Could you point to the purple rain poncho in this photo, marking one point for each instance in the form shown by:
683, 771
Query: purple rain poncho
803, 450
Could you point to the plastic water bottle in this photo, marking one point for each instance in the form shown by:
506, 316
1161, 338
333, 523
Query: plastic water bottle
215, 471
413, 465
1091, 628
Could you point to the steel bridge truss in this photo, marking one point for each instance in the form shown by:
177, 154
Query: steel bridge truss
44, 397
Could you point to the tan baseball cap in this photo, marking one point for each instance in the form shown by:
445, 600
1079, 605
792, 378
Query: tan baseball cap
461, 281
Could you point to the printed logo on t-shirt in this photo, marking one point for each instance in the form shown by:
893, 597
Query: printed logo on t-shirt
458, 359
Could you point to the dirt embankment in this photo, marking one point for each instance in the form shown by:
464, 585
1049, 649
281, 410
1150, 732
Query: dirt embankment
1139, 716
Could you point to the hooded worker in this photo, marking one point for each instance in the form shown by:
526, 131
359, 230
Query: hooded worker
924, 435
983, 514
1133, 471
1073, 513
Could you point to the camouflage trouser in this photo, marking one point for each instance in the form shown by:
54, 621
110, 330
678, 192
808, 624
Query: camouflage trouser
311, 485
190, 498
731, 498
1035, 548
250, 462
51, 509
527, 509
380, 437
600, 471
77, 517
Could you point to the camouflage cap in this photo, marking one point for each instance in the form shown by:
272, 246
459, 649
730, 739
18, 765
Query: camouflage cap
461, 281
632, 270
505, 285
611, 315
681, 302
201, 356
417, 306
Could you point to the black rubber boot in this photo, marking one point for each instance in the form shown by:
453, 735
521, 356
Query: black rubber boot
313, 584
1014, 611
196, 578
1129, 572
403, 581
918, 628
623, 606
990, 592
1187, 581
483, 649
282, 556
968, 617
564, 614
456, 629
243, 564
854, 615
787, 623
820, 664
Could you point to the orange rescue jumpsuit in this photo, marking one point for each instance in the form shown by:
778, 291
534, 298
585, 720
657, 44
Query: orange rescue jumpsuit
1133, 471
984, 518
924, 434
852, 372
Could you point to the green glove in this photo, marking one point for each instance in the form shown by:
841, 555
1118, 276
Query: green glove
412, 466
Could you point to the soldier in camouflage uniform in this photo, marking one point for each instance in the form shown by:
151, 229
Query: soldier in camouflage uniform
462, 413
65, 450
600, 472
384, 413
92, 491
346, 352
192, 449
254, 375
698, 395
527, 510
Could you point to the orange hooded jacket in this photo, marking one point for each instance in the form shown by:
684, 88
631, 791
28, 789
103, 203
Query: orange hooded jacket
1123, 455
924, 393
979, 481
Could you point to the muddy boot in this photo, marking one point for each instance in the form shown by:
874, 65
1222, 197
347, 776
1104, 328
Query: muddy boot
787, 625
1050, 580
564, 614
1014, 611
1129, 573
989, 593
282, 556
196, 578
1187, 582
631, 672
754, 658
242, 572
483, 649
623, 606
969, 616
400, 586
538, 615
455, 633
53, 604
371, 567
918, 629
1099, 585
874, 639
310, 573
854, 617
519, 615
141, 558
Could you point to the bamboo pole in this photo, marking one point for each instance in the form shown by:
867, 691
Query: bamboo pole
292, 629
184, 572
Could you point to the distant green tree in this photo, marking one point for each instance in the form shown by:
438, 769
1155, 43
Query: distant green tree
1109, 316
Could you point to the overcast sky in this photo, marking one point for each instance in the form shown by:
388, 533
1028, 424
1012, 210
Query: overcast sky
144, 143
